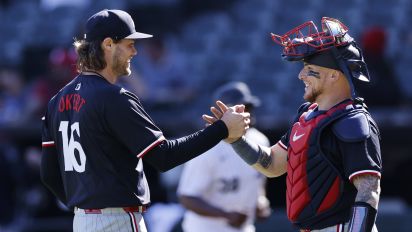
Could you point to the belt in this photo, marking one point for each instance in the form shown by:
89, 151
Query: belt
139, 209
132, 209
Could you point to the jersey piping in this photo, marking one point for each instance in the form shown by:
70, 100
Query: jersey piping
150, 147
364, 172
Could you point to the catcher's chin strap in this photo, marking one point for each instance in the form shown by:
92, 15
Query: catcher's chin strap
363, 217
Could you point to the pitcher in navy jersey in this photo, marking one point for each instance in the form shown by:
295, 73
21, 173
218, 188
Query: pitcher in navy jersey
331, 152
95, 134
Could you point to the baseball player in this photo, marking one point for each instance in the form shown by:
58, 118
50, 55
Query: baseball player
218, 189
331, 153
95, 134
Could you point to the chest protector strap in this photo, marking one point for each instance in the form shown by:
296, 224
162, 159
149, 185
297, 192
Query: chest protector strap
313, 184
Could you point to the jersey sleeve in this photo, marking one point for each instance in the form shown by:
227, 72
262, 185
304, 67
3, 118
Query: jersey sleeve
362, 157
130, 123
49, 167
284, 140
196, 177
47, 140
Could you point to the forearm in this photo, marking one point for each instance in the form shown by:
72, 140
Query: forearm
269, 161
201, 207
171, 153
368, 187
364, 210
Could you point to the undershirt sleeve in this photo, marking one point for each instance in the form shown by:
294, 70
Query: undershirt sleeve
171, 153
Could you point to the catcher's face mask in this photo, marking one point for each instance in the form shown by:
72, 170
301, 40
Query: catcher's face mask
306, 40
332, 48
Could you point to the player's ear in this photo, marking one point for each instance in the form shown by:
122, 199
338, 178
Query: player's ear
335, 75
107, 43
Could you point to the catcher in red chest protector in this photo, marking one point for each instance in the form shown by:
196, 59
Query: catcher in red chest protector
331, 152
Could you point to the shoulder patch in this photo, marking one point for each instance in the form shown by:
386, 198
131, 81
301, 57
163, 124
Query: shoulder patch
352, 128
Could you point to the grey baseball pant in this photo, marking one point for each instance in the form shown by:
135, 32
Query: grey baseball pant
108, 219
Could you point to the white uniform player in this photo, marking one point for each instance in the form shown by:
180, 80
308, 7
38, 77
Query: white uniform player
223, 180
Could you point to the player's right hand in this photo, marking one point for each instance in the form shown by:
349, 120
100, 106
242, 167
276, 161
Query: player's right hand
237, 121
236, 219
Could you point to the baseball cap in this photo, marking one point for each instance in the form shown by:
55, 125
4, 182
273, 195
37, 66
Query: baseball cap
116, 24
236, 92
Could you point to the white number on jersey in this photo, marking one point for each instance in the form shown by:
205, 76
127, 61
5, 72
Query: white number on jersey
69, 147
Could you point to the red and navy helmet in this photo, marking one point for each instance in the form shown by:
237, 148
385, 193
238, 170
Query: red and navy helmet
332, 47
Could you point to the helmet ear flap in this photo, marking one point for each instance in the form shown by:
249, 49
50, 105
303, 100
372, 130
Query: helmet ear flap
358, 69
354, 60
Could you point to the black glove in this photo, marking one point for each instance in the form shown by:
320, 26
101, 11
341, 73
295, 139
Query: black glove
363, 217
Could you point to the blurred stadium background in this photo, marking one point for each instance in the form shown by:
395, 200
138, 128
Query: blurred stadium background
198, 46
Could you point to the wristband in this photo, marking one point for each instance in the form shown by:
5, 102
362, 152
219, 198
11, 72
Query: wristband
251, 152
363, 217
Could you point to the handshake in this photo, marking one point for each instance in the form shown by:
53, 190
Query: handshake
236, 119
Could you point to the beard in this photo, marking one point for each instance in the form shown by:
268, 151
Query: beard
120, 66
312, 95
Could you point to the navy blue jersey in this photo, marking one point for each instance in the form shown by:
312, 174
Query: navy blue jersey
350, 158
99, 133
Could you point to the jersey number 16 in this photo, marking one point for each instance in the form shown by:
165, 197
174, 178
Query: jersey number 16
70, 146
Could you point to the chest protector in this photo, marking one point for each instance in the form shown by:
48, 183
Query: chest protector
314, 185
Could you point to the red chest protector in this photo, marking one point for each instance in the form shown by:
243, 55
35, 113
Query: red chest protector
313, 184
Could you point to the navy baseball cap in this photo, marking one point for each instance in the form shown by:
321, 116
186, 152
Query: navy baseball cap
116, 24
236, 92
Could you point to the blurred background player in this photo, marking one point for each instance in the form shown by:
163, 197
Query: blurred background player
219, 190
331, 153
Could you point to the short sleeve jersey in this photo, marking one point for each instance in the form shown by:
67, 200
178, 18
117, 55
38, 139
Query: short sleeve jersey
99, 132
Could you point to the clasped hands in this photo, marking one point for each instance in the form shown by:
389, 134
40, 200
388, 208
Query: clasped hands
236, 119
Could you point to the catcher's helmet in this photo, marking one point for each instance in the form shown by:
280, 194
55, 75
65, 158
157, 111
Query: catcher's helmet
333, 48
234, 93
